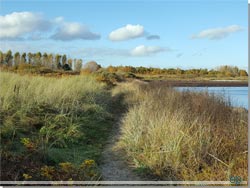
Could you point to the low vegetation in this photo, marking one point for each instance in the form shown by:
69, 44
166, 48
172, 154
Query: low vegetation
56, 64
56, 116
184, 135
52, 128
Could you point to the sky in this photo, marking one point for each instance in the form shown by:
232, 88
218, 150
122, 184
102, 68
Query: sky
151, 33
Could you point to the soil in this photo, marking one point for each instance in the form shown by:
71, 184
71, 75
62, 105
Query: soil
114, 165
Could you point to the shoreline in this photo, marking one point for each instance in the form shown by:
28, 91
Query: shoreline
202, 83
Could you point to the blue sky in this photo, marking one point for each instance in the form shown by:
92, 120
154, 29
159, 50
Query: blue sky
185, 34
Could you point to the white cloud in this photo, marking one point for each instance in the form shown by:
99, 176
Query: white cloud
127, 32
147, 50
17, 24
72, 30
33, 26
217, 33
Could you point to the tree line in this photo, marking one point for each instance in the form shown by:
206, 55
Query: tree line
62, 62
49, 60
225, 70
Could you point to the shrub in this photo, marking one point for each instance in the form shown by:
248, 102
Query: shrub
109, 78
91, 66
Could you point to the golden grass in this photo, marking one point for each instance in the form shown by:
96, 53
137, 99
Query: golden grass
184, 135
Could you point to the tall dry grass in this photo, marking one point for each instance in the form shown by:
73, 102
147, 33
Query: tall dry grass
47, 121
184, 135
64, 93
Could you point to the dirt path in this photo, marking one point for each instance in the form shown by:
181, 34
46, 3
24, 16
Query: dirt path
114, 166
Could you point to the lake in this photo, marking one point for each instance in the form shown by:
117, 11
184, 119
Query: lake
238, 95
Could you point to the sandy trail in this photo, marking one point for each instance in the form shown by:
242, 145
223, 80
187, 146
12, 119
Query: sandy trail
114, 166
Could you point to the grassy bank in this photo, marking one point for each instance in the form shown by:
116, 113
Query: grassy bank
52, 128
183, 135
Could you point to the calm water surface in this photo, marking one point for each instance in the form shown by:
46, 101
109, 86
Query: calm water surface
237, 95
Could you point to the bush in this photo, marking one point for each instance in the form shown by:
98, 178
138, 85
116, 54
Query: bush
129, 75
91, 66
109, 78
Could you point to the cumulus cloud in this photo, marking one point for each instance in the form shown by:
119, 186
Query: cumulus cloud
72, 30
217, 33
33, 26
127, 32
147, 50
17, 24
153, 37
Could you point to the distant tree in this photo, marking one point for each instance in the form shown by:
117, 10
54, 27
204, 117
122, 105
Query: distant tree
30, 58
91, 66
179, 71
8, 58
38, 57
23, 58
235, 71
1, 58
64, 59
70, 61
228, 73
59, 65
16, 58
203, 71
229, 70
45, 60
66, 67
51, 61
58, 61
78, 65
74, 63
243, 73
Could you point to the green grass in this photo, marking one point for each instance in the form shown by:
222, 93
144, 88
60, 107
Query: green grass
47, 121
184, 135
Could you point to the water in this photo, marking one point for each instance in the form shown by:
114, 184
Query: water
237, 95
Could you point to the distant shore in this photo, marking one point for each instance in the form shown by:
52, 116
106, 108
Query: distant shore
202, 83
